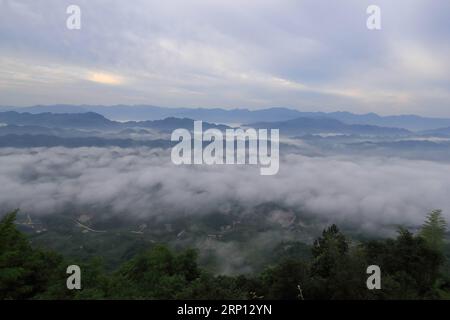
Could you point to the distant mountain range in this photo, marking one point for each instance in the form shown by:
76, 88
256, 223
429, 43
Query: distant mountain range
302, 126
438, 132
89, 120
24, 122
46, 123
322, 135
240, 116
40, 140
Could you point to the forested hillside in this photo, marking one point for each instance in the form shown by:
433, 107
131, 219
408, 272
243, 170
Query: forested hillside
413, 266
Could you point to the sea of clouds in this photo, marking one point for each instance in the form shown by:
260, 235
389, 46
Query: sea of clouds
367, 192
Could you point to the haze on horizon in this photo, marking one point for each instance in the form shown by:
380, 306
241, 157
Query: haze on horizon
311, 55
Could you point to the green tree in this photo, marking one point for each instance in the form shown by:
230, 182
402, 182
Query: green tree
156, 274
433, 230
24, 272
286, 281
337, 271
327, 250
410, 268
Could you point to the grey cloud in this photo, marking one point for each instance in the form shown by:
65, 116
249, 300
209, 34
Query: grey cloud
304, 54
365, 192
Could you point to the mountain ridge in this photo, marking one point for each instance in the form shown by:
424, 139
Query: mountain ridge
239, 116
300, 126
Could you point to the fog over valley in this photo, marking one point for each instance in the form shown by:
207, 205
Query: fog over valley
368, 192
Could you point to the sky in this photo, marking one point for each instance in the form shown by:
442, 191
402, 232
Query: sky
310, 55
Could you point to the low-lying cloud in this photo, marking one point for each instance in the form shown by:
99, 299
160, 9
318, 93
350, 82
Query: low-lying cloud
366, 192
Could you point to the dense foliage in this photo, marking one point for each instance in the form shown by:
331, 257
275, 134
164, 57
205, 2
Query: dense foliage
413, 267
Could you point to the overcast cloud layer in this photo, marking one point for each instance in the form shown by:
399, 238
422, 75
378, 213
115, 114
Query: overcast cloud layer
306, 54
366, 192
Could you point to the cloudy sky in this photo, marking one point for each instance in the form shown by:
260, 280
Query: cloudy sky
304, 54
